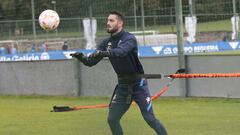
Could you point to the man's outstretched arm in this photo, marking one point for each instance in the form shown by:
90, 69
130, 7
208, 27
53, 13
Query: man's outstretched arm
86, 60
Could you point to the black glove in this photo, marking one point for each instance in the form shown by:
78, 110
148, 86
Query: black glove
181, 70
81, 57
99, 54
78, 55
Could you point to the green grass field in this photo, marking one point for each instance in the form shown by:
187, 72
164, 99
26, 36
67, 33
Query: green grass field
30, 115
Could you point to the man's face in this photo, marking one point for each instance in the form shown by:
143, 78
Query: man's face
113, 24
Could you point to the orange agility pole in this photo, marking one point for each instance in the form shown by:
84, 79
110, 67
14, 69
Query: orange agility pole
91, 106
209, 75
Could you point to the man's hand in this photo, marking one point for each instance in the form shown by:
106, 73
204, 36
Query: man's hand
99, 54
78, 55
81, 57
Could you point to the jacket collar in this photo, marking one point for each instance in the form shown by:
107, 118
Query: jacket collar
118, 35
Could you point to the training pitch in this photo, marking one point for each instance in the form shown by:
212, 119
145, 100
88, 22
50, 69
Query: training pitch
30, 115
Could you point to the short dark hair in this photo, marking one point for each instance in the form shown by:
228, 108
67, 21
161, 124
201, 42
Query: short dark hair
118, 14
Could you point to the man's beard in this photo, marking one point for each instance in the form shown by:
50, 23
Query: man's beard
112, 31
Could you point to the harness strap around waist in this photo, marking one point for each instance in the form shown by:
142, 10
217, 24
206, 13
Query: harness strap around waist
129, 78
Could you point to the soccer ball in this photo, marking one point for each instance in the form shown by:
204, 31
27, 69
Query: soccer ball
49, 20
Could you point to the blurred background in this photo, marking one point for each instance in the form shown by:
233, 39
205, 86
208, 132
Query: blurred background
19, 21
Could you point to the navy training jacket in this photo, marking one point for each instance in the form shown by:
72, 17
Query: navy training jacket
123, 53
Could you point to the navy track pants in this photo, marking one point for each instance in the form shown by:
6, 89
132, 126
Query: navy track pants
121, 102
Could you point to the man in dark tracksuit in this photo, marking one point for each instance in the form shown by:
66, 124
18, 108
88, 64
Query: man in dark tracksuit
121, 49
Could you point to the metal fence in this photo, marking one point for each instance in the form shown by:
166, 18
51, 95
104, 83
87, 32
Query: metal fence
213, 17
